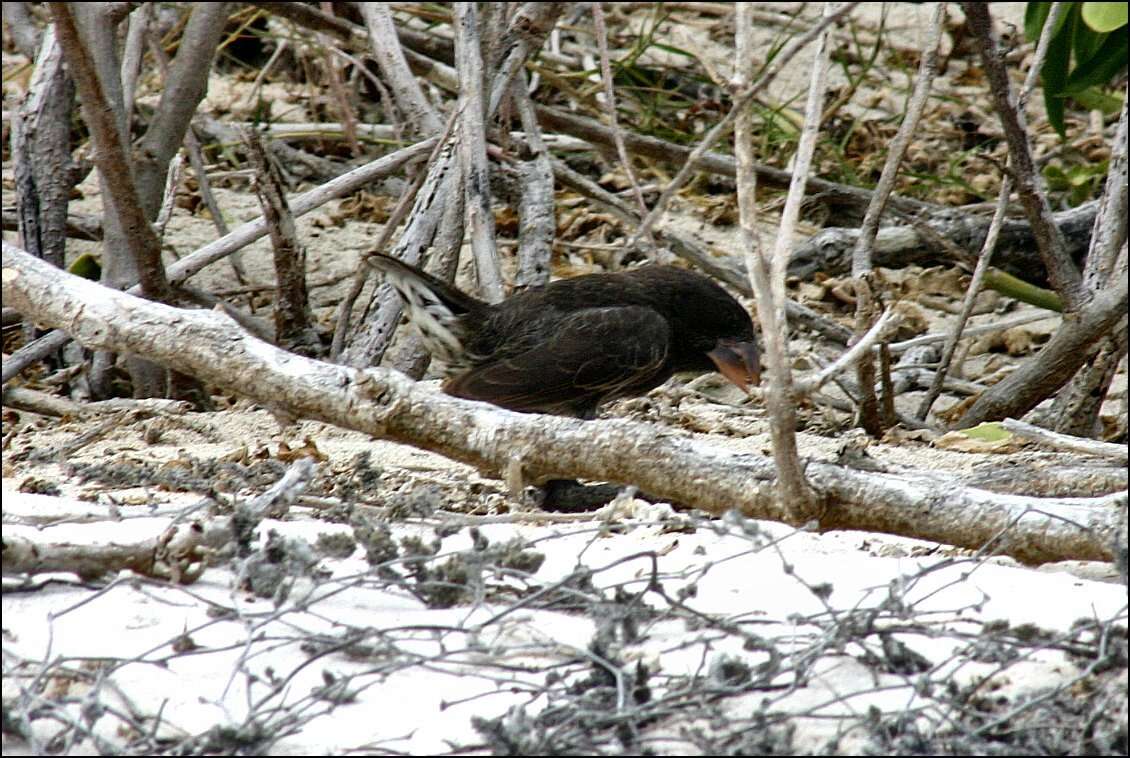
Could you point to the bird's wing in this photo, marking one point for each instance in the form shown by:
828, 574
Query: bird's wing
592, 354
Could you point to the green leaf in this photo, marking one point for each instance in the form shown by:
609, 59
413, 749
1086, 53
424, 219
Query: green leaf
990, 431
1086, 42
86, 266
1035, 16
1102, 17
1107, 62
1054, 72
1094, 99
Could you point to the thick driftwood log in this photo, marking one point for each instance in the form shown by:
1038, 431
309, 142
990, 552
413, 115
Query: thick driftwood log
663, 462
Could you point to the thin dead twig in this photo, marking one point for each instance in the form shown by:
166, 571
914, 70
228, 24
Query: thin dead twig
882, 326
968, 301
861, 264
610, 107
1062, 272
472, 144
109, 155
418, 113
986, 254
767, 277
337, 87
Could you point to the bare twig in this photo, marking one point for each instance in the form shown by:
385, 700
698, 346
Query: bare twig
879, 330
537, 223
861, 264
861, 257
361, 275
1076, 406
471, 139
610, 106
418, 113
987, 248
996, 326
369, 342
968, 302
528, 29
136, 37
293, 320
1057, 360
1062, 272
833, 193
767, 277
110, 157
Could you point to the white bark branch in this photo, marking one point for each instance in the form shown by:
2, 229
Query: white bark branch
691, 471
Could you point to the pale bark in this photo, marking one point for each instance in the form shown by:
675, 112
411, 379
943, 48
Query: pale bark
695, 472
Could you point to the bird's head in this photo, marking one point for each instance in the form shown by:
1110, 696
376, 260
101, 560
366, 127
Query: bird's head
738, 361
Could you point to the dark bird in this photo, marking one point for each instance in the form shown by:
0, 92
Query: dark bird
572, 344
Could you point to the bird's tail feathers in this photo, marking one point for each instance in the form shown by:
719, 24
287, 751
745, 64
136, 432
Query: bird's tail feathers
434, 307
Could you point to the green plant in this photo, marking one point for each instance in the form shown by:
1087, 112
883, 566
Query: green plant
1080, 182
1090, 33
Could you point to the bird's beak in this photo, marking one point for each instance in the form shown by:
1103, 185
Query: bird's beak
738, 362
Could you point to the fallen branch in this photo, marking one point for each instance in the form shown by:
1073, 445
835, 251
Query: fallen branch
176, 554
830, 249
696, 472
1066, 441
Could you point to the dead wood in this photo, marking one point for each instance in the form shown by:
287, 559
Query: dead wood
419, 115
537, 222
471, 139
1048, 480
24, 33
846, 202
110, 156
176, 554
240, 237
683, 469
767, 269
83, 226
1058, 360
1060, 441
1076, 407
367, 345
41, 156
968, 302
1063, 272
294, 327
829, 251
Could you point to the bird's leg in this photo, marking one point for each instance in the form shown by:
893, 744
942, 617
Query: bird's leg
570, 496
557, 495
